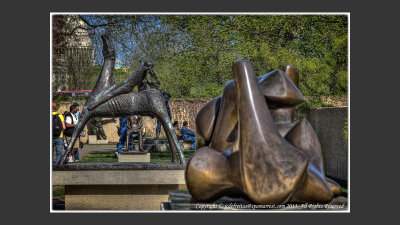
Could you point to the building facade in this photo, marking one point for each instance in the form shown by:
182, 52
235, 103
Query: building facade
72, 51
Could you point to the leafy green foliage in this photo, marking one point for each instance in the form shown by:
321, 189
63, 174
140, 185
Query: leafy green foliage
316, 45
194, 54
59, 192
312, 102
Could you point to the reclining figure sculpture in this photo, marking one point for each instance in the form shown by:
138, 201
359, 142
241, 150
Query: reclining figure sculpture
110, 100
248, 144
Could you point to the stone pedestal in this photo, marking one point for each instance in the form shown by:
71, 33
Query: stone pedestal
162, 145
134, 157
92, 139
118, 186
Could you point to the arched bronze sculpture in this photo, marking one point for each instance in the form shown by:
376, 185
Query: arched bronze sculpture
249, 146
110, 100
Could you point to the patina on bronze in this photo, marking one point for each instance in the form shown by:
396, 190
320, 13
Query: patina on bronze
110, 100
249, 145
134, 124
95, 126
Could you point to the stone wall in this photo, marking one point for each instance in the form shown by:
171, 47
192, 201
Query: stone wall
181, 110
329, 124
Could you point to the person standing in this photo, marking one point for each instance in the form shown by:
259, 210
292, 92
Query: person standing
122, 135
177, 130
77, 112
188, 135
77, 117
70, 122
57, 133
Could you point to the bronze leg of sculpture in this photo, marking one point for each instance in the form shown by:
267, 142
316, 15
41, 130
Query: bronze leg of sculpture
140, 136
128, 133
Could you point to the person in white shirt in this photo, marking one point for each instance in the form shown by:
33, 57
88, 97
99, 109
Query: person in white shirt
70, 122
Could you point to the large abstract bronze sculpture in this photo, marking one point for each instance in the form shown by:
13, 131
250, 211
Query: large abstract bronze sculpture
249, 146
110, 100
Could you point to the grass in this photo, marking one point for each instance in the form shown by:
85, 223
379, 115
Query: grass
344, 192
106, 156
99, 156
59, 192
165, 157
110, 143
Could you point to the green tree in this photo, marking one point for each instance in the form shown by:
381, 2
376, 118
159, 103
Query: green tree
194, 54
317, 45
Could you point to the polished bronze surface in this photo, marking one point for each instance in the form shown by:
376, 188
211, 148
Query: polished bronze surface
293, 74
251, 147
110, 100
205, 121
279, 91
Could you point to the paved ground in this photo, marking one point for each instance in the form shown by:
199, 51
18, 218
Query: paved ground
90, 148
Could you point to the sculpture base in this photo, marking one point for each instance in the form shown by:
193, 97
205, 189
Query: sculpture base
163, 145
92, 140
118, 186
182, 200
116, 197
134, 157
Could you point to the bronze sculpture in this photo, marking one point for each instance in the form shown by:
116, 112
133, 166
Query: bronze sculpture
96, 127
134, 124
110, 100
249, 146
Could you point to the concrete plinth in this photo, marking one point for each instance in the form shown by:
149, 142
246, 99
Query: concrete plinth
133, 157
92, 139
163, 145
118, 186
116, 197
